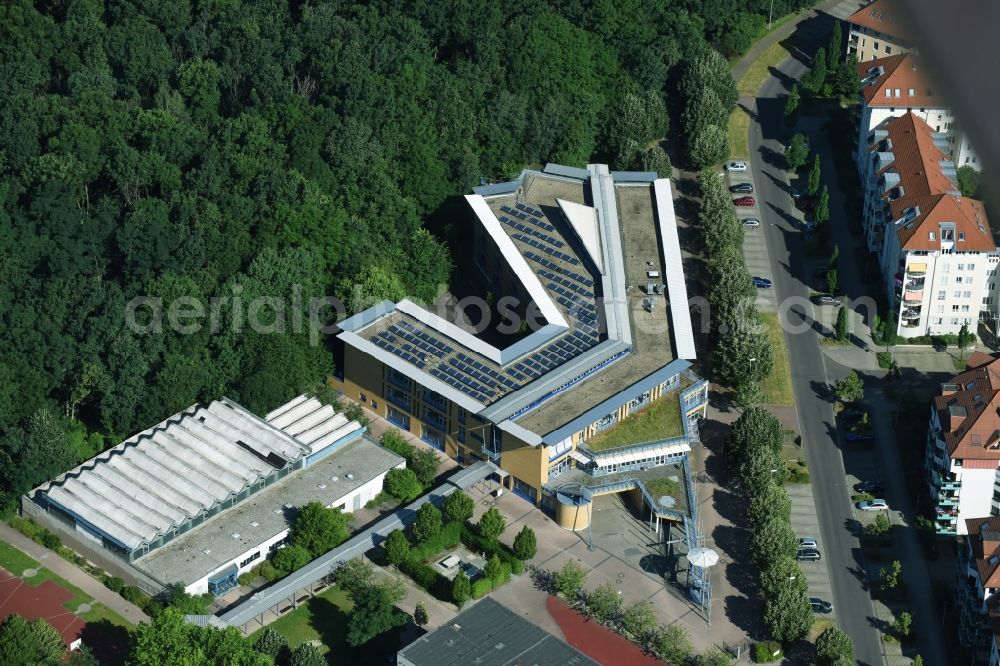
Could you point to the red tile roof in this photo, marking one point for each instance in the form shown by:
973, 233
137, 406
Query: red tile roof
917, 158
968, 215
904, 77
984, 538
970, 416
883, 16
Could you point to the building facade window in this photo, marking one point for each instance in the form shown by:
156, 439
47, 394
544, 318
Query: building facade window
250, 559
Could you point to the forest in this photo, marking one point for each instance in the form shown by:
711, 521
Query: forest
172, 148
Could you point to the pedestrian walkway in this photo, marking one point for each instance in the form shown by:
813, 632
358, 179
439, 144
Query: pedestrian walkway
73, 574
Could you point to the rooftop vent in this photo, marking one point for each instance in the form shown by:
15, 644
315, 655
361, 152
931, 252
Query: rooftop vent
207, 551
456, 627
321, 486
255, 524
279, 510
289, 506
350, 475
334, 478
235, 535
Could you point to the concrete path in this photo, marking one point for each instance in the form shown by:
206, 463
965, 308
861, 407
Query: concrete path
72, 574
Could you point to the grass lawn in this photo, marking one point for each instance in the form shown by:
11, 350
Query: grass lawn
660, 420
101, 613
777, 387
657, 488
759, 71
819, 626
739, 134
14, 560
323, 618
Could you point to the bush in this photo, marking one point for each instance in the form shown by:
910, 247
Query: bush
448, 537
113, 583
393, 440
136, 596
428, 578
290, 558
766, 651
799, 475
525, 544
51, 541
481, 588
267, 571
245, 579
428, 523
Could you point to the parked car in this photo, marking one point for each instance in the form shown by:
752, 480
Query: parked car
827, 299
798, 194
865, 436
808, 555
869, 487
808, 542
761, 283
745, 202
741, 188
751, 222
737, 166
873, 505
820, 606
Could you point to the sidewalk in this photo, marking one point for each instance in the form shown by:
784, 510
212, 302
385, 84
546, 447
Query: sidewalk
72, 574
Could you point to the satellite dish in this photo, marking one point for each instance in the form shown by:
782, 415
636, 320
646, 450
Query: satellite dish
702, 557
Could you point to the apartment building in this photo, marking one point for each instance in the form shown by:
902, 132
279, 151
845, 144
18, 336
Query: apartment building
876, 31
934, 246
977, 586
896, 85
963, 446
595, 256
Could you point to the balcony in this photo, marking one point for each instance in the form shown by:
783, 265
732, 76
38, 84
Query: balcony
947, 501
910, 296
915, 285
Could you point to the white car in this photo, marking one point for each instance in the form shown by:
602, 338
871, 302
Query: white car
873, 505
739, 166
751, 223
807, 542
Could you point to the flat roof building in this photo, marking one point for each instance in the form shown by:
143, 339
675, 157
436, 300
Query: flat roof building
590, 260
203, 495
490, 634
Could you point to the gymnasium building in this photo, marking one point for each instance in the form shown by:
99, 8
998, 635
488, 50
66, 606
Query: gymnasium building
204, 495
601, 383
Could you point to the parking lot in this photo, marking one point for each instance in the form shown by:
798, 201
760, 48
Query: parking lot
805, 523
755, 254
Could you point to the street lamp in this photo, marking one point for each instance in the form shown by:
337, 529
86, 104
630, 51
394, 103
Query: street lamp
769, 12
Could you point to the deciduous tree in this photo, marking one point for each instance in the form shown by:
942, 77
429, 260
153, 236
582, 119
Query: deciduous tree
458, 507
834, 648
319, 529
525, 543
428, 522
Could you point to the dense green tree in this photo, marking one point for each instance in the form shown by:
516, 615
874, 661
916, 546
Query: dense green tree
832, 280
420, 614
850, 388
771, 540
965, 339
969, 181
428, 522
781, 572
291, 558
307, 654
525, 544
755, 428
767, 499
458, 507
815, 78
271, 643
461, 589
24, 643
396, 547
741, 353
605, 603
792, 105
788, 614
673, 644
879, 526
834, 648
319, 529
493, 570
373, 614
842, 323
424, 463
492, 524
403, 484
822, 213
636, 122
570, 579
354, 575
814, 176
796, 152
639, 618
709, 146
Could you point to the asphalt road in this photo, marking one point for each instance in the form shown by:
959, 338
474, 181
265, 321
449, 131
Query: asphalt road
841, 548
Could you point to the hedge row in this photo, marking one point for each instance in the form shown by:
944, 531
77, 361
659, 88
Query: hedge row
475, 542
426, 577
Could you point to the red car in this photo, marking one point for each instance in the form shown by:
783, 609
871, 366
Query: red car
745, 201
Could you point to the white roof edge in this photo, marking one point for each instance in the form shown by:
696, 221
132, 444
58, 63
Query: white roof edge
673, 266
531, 343
411, 371
364, 318
516, 261
523, 434
602, 187
583, 219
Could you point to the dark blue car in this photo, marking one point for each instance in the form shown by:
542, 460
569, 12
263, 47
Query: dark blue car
859, 437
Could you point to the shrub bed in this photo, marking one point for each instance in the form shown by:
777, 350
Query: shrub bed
449, 537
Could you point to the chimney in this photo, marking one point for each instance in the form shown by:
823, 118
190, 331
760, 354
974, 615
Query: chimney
956, 415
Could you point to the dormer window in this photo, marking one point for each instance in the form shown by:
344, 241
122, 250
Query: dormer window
930, 235
913, 92
961, 235
888, 92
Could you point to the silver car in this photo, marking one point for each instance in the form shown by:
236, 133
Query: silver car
737, 166
751, 223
